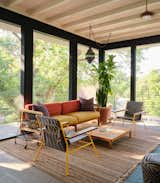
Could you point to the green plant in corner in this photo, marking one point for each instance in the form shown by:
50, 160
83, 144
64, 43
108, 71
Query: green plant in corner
105, 72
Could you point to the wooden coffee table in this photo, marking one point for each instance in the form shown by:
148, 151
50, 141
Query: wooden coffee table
110, 134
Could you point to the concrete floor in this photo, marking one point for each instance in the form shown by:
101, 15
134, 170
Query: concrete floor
13, 170
9, 130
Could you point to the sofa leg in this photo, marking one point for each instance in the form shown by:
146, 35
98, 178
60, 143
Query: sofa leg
98, 121
75, 127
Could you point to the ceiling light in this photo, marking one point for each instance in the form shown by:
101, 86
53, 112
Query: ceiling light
147, 15
90, 55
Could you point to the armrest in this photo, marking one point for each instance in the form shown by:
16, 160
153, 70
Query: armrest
138, 113
118, 110
66, 124
73, 134
27, 124
31, 112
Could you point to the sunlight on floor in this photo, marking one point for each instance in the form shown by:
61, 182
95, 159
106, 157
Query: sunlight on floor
155, 137
7, 161
15, 166
137, 157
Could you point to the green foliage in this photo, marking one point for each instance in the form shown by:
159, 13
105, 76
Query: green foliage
51, 76
9, 77
51, 72
85, 75
148, 88
121, 82
105, 71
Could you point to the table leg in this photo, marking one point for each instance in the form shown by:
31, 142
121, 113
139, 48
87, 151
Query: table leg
130, 134
110, 144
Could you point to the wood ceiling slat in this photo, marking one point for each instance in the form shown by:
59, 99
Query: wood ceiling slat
130, 32
44, 7
81, 9
99, 26
12, 2
133, 35
103, 8
125, 28
127, 10
129, 20
121, 18
141, 35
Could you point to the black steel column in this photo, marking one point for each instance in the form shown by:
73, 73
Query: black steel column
133, 73
27, 63
73, 70
101, 55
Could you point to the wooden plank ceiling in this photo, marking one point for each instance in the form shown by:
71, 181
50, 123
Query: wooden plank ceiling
116, 20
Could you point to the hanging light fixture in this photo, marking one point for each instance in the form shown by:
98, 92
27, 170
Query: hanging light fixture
90, 55
147, 15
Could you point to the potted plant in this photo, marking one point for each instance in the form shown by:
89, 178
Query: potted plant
105, 72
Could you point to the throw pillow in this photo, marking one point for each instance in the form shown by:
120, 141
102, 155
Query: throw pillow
86, 104
42, 108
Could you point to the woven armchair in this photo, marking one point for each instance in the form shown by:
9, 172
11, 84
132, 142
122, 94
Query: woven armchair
54, 136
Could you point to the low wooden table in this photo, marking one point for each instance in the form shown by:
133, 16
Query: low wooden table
110, 134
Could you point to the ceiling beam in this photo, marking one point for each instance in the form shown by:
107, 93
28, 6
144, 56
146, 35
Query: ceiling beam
125, 10
44, 7
148, 39
79, 10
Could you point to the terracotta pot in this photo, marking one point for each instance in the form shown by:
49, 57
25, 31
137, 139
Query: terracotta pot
105, 114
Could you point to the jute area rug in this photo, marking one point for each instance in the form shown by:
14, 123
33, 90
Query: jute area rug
112, 165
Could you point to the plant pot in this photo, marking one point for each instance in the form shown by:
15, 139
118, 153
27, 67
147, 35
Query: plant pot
105, 114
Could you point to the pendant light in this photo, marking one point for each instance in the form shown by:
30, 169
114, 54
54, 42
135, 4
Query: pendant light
147, 15
90, 55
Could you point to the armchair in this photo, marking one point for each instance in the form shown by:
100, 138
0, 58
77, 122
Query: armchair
133, 111
54, 136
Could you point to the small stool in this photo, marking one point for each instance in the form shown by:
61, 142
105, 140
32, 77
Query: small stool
151, 168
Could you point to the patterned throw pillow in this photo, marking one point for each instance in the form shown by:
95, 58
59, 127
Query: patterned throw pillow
86, 104
41, 108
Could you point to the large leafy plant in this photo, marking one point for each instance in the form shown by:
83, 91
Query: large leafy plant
105, 72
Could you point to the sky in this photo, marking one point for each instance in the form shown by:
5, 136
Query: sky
152, 59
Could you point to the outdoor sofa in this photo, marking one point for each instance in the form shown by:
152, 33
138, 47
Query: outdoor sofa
68, 112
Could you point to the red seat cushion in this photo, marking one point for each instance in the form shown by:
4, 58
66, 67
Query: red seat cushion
70, 106
54, 108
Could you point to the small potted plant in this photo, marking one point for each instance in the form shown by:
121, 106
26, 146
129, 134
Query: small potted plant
105, 72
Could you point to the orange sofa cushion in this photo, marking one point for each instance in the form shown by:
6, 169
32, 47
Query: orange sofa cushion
54, 108
70, 106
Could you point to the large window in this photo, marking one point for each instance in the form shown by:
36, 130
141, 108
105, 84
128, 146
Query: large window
87, 82
50, 68
148, 78
10, 68
121, 82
